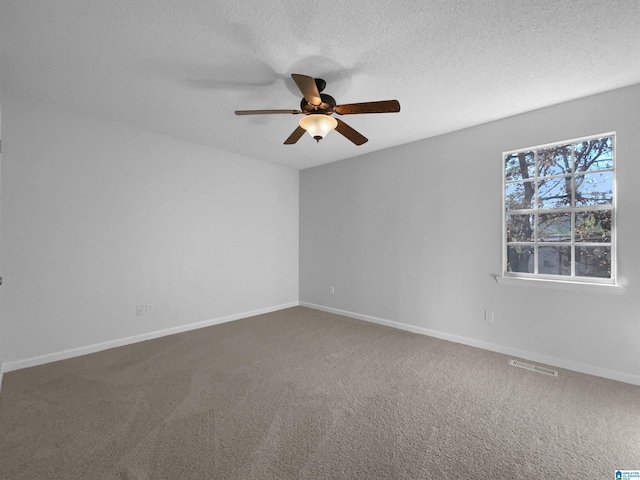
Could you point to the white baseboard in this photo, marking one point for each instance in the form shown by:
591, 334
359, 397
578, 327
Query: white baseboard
76, 352
515, 352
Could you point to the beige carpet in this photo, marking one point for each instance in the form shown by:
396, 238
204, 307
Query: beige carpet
309, 395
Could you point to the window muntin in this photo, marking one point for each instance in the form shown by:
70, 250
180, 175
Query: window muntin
559, 211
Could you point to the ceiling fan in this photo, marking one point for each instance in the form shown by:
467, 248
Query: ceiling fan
318, 107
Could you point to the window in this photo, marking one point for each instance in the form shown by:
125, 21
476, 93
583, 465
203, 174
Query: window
559, 211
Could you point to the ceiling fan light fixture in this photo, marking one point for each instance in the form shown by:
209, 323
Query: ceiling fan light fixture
318, 125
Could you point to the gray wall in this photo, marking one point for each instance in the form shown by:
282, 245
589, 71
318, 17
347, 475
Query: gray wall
98, 217
413, 235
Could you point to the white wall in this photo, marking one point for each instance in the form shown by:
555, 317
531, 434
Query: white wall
98, 217
413, 235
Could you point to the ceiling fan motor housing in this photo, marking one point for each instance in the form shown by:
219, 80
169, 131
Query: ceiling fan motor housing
327, 105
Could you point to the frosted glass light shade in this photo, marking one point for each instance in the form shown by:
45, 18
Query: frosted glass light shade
318, 125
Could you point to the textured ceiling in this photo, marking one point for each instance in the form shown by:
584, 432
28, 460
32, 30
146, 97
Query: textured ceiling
181, 68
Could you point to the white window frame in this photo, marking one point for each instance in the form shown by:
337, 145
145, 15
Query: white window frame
540, 279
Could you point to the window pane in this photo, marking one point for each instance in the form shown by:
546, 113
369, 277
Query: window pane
593, 261
518, 195
518, 166
593, 226
554, 260
554, 192
594, 154
519, 228
554, 227
520, 258
554, 160
594, 188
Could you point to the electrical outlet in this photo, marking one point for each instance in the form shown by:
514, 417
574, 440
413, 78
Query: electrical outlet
488, 316
140, 309
149, 308
332, 290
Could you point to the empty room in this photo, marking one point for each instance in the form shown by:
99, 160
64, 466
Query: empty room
307, 240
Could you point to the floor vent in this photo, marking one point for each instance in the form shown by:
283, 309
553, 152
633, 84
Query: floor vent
533, 368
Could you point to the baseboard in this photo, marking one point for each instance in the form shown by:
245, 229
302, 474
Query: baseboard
526, 355
76, 352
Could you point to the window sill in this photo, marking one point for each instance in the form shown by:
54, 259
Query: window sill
562, 285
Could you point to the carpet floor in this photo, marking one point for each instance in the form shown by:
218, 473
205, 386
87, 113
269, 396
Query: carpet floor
304, 394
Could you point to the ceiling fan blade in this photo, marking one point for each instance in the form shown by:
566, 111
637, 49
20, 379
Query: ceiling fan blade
295, 136
384, 106
263, 112
353, 135
308, 87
